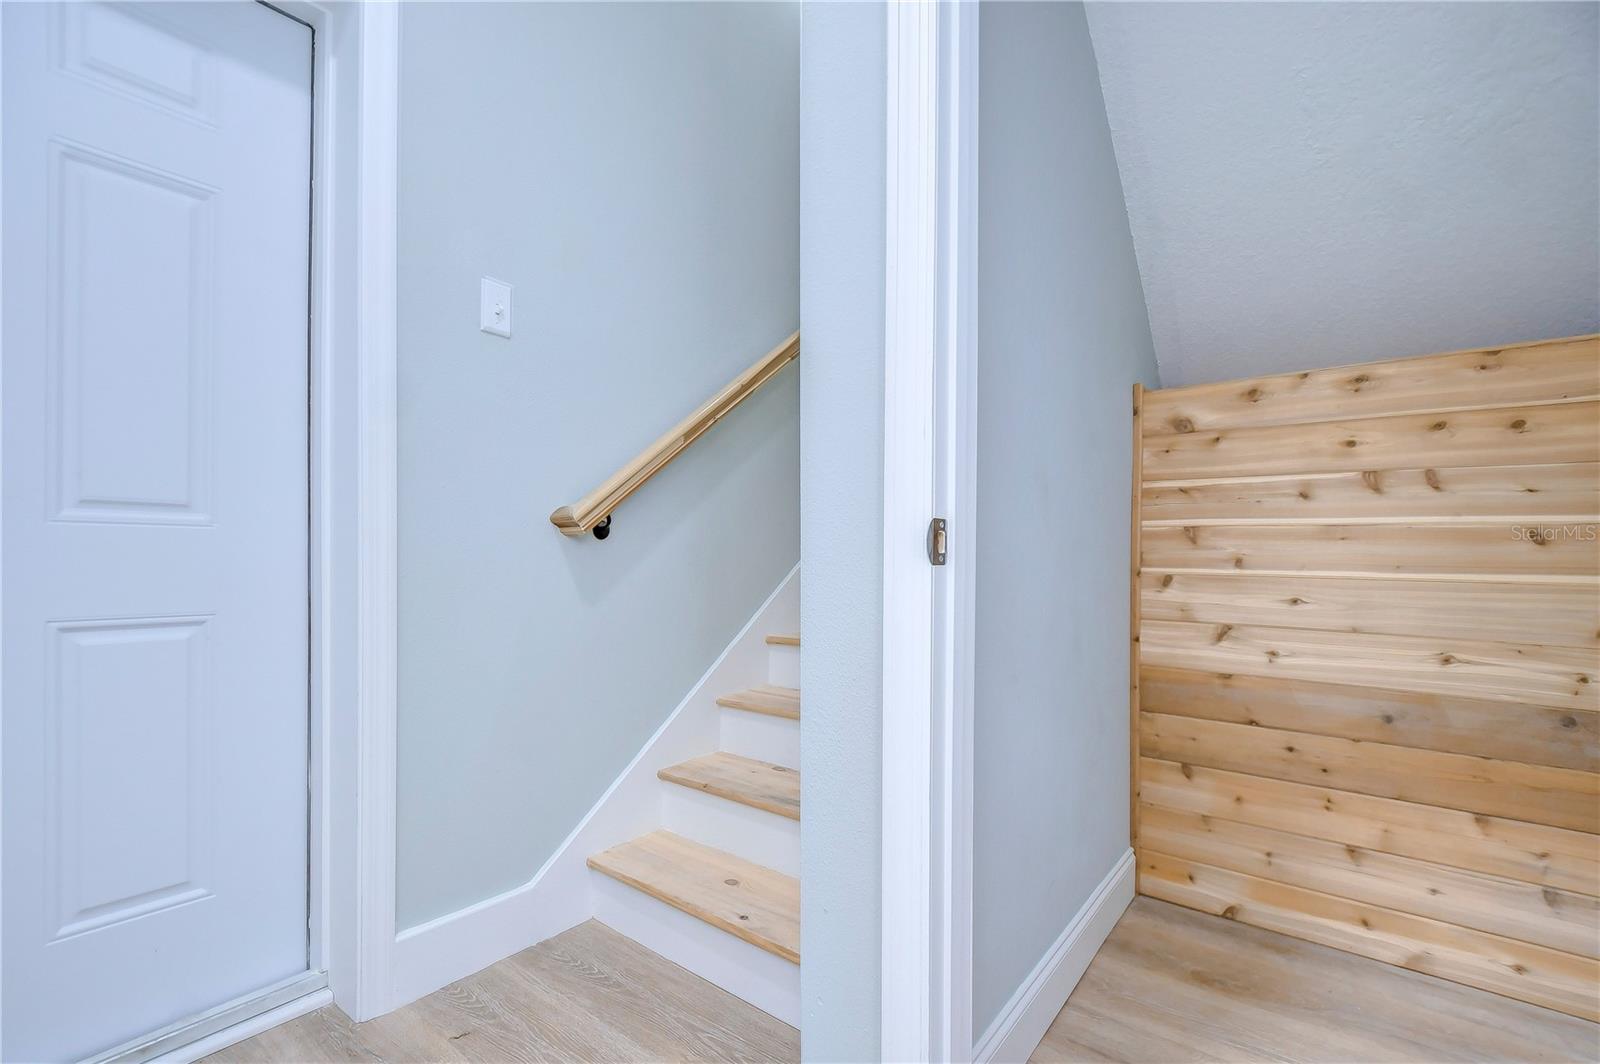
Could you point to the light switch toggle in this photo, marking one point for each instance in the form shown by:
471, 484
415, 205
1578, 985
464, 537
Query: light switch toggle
494, 307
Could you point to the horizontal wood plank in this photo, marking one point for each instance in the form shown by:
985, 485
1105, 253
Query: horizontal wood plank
744, 899
1504, 549
1540, 371
765, 699
1511, 435
1559, 919
1527, 494
1521, 970
1540, 794
1506, 612
758, 784
1539, 735
1513, 849
1510, 672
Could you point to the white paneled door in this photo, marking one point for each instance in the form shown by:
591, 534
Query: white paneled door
153, 565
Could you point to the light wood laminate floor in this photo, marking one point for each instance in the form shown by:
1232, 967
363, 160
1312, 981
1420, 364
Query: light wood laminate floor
1171, 984
588, 994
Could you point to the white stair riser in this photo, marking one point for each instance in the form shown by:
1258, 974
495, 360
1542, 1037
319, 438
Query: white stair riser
754, 834
783, 666
766, 981
763, 737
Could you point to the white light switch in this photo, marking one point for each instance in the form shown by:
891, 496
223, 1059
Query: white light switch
494, 307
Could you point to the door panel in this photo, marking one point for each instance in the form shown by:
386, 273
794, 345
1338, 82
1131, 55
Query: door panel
153, 540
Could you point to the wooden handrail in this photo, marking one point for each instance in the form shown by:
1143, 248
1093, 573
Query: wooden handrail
593, 509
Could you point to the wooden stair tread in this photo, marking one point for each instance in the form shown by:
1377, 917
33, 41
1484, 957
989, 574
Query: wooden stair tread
784, 640
760, 784
765, 698
754, 903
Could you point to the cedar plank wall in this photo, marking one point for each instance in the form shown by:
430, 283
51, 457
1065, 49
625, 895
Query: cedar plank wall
1367, 710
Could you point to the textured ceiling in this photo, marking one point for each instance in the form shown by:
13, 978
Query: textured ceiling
1321, 183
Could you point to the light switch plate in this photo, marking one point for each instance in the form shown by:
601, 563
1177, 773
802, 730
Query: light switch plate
494, 307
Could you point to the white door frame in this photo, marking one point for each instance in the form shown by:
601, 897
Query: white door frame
930, 413
353, 513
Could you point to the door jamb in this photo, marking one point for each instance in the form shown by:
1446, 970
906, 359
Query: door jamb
354, 497
929, 469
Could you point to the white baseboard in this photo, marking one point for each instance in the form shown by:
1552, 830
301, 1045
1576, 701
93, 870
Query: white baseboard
560, 895
1017, 1031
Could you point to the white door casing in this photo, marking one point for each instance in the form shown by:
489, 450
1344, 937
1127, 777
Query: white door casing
929, 470
155, 517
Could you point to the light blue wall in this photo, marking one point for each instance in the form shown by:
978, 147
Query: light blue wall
842, 129
1062, 336
632, 170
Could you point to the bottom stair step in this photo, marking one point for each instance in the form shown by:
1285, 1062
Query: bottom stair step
755, 903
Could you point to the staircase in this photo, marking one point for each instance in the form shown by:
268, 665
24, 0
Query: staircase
716, 888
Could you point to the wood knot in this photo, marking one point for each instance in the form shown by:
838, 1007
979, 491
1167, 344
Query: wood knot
1191, 534
731, 882
1438, 426
1447, 659
1296, 600
1253, 395
1373, 481
1431, 478
1357, 381
1569, 721
1388, 718
1187, 770
1182, 424
1351, 443
1166, 581
1519, 424
1222, 633
1230, 913
1303, 493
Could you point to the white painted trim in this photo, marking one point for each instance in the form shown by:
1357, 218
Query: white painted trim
955, 490
1017, 1031
929, 469
372, 905
911, 286
563, 892
354, 494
